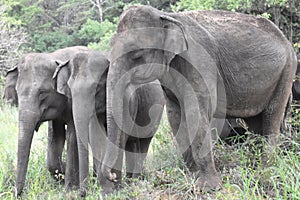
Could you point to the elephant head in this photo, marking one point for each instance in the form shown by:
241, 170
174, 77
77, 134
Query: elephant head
38, 100
137, 58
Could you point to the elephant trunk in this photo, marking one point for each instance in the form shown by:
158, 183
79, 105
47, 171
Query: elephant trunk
116, 87
27, 123
82, 114
112, 150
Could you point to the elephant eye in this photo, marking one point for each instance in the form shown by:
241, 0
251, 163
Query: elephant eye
137, 54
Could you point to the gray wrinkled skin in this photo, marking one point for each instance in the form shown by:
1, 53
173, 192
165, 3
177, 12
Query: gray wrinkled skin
210, 64
38, 101
85, 78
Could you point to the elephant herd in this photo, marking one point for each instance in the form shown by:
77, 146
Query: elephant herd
201, 65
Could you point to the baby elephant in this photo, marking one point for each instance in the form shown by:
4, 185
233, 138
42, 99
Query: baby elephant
84, 79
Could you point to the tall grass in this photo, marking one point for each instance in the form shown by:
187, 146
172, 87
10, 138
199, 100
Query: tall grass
166, 177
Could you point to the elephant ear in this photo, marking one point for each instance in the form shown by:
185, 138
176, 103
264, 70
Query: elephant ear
60, 77
175, 40
15, 68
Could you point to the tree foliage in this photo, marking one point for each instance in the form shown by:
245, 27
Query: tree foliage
11, 39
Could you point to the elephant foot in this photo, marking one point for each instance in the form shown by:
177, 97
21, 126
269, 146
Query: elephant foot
208, 182
106, 190
59, 176
18, 192
69, 187
82, 192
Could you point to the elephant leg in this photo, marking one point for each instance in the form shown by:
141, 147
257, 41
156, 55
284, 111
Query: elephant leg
174, 117
95, 167
72, 165
274, 112
136, 152
202, 155
255, 123
56, 141
130, 147
191, 125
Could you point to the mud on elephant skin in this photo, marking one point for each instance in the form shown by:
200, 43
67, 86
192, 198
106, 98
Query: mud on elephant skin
195, 57
38, 102
85, 78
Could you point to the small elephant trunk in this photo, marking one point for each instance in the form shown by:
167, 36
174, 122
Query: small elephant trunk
27, 124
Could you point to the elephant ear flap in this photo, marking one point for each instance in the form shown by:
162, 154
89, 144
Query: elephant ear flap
15, 68
60, 65
175, 39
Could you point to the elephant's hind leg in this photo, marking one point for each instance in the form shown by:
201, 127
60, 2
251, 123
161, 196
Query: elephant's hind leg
274, 112
56, 141
136, 152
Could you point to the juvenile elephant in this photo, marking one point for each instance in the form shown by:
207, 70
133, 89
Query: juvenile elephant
85, 77
39, 102
56, 130
210, 63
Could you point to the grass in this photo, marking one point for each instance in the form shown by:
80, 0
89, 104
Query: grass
240, 166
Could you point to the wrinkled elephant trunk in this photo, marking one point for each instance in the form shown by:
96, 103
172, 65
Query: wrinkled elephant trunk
115, 91
27, 122
112, 149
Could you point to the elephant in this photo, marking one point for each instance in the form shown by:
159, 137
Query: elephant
84, 80
210, 64
56, 134
10, 94
38, 101
296, 84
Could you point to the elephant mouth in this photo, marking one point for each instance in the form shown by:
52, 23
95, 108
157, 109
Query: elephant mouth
37, 126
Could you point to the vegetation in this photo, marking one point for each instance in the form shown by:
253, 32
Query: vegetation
47, 25
166, 176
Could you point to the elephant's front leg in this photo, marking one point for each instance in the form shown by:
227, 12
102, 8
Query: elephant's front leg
72, 165
207, 176
178, 127
191, 128
136, 152
56, 141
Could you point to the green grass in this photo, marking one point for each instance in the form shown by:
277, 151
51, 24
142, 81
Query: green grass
240, 166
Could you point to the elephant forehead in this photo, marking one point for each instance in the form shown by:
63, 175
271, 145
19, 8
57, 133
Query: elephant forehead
135, 39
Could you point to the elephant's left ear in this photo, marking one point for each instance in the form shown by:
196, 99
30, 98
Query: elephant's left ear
60, 65
15, 68
175, 37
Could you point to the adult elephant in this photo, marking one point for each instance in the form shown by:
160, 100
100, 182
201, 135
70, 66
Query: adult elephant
39, 102
84, 80
210, 63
